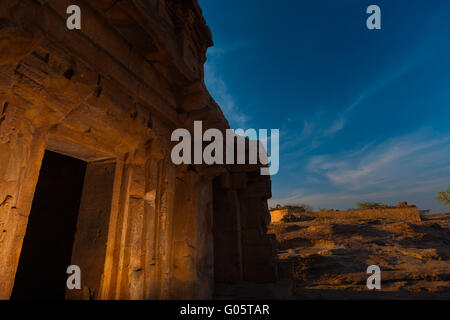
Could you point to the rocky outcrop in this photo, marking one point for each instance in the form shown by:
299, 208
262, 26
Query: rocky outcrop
327, 258
403, 212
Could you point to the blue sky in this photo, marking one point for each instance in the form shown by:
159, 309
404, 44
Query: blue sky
363, 115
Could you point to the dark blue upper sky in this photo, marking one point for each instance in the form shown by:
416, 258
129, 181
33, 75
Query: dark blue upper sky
363, 115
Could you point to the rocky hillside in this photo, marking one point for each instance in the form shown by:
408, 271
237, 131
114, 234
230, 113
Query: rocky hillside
328, 258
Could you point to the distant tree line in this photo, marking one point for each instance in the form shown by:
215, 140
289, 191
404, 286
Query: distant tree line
443, 196
370, 205
294, 208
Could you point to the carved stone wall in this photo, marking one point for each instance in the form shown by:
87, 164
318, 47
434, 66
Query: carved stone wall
111, 94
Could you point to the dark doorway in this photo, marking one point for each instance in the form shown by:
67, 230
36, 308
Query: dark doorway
47, 246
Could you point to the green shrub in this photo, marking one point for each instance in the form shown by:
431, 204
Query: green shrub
289, 218
369, 205
444, 196
296, 208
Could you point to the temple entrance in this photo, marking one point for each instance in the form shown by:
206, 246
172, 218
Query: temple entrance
47, 246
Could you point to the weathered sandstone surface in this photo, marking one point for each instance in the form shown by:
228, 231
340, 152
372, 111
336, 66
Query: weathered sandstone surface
402, 212
328, 257
111, 94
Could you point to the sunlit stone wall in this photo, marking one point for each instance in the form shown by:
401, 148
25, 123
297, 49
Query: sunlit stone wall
111, 94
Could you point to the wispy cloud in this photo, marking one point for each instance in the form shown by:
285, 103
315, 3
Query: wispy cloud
325, 130
292, 139
219, 89
379, 163
344, 200
414, 165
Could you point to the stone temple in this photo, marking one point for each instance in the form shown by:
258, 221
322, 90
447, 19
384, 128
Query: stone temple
86, 177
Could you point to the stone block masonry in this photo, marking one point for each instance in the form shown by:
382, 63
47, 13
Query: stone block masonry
110, 94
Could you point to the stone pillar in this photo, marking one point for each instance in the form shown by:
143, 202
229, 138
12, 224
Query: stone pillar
258, 248
131, 235
192, 260
91, 237
151, 276
134, 260
183, 260
21, 153
204, 236
165, 213
227, 231
119, 291
120, 189
138, 258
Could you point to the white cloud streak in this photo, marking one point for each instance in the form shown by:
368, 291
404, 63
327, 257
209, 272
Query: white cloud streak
412, 167
219, 90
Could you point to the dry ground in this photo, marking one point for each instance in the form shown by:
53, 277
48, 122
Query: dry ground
330, 257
